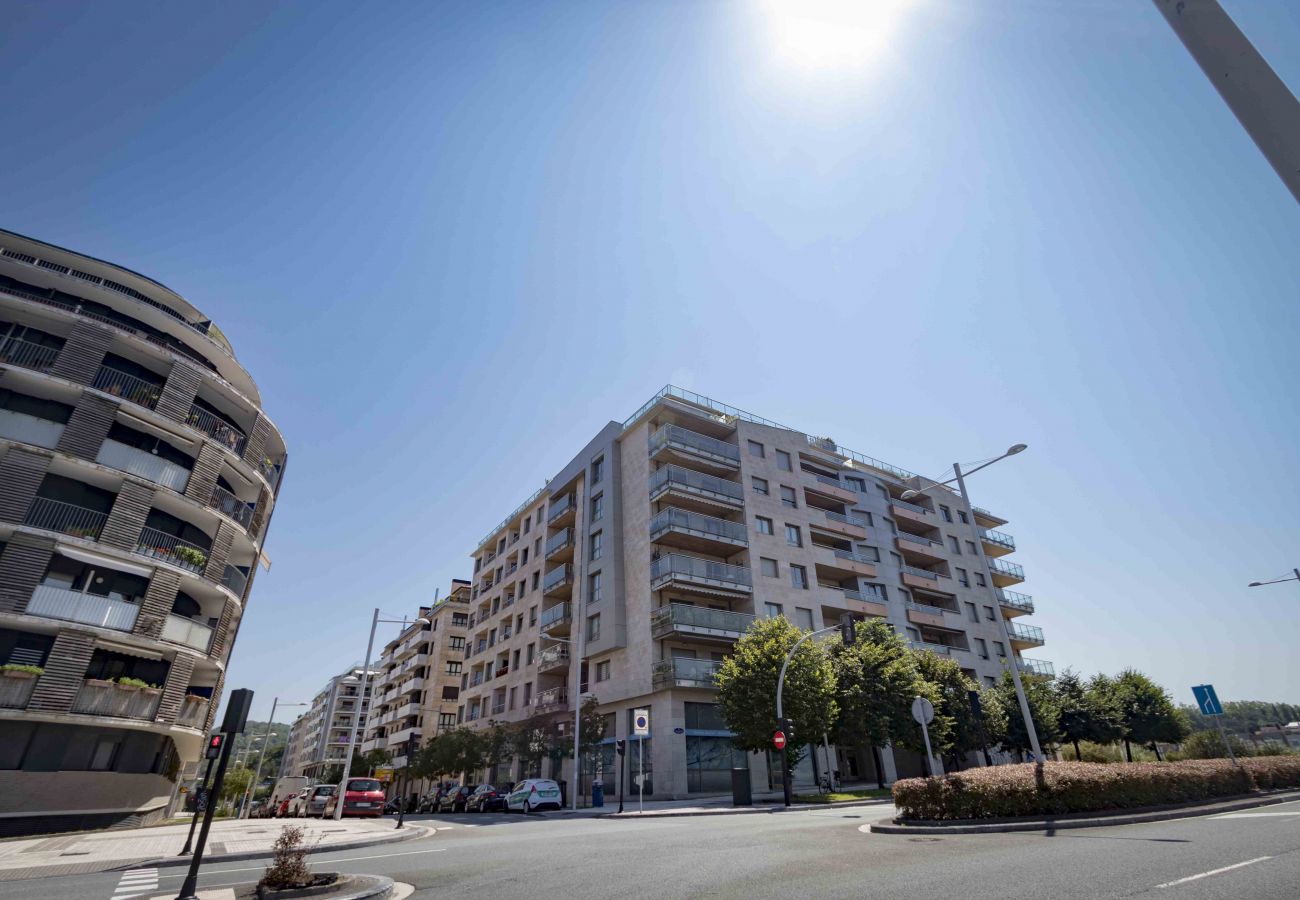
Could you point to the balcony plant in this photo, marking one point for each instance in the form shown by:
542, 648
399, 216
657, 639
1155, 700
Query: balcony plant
192, 556
14, 670
135, 684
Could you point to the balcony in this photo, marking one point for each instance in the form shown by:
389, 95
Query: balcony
231, 506
864, 604
551, 700
16, 689
699, 623
1005, 573
702, 575
235, 580
1036, 667
917, 548
553, 659
699, 488
558, 582
25, 429
52, 602
846, 564
128, 387
116, 455
685, 673
18, 352
171, 549
997, 544
180, 630
672, 442
839, 523
559, 546
829, 487
1015, 604
1025, 635
555, 620
499, 707
218, 429
562, 510
107, 698
936, 647
911, 511
923, 614
698, 532
194, 710
920, 578
65, 518
986, 519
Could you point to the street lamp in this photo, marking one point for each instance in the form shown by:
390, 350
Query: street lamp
959, 478
266, 739
1293, 577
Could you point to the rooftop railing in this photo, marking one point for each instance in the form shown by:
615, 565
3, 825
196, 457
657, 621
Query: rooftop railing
699, 523
510, 518
684, 437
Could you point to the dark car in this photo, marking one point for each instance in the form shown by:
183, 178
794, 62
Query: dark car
485, 799
455, 799
433, 799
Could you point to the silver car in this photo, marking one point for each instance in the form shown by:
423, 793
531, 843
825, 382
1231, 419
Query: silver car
317, 796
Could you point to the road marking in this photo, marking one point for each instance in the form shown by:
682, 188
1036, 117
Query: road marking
1169, 884
345, 859
136, 883
1263, 815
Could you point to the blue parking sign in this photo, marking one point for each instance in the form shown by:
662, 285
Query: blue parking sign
1207, 700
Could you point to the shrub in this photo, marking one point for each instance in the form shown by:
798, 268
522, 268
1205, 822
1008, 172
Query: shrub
288, 868
17, 667
1059, 788
133, 682
196, 558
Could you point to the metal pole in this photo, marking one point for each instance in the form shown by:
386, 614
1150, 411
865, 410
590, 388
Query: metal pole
997, 607
203, 786
622, 764
929, 756
191, 884
266, 738
830, 776
640, 782
1218, 720
780, 689
356, 720
579, 624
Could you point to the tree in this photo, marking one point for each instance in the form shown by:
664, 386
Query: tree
453, 752
235, 784
1042, 708
535, 739
876, 680
1147, 714
1087, 711
1209, 745
747, 682
957, 732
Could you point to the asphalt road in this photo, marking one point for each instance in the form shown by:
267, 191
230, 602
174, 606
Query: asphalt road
1255, 854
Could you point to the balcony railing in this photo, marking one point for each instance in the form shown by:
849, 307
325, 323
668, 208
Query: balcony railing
170, 548
17, 352
67, 518
914, 507
1037, 667
699, 524
561, 506
228, 504
1028, 633
696, 483
116, 455
690, 568
180, 630
561, 540
850, 556
997, 537
1010, 569
128, 387
685, 672
16, 426
920, 573
194, 710
917, 539
934, 647
554, 615
271, 471
1014, 600
16, 690
826, 479
682, 617
694, 441
926, 609
499, 707
555, 698
105, 698
234, 579
218, 429
553, 658
558, 576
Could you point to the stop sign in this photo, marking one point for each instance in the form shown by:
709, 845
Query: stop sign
778, 740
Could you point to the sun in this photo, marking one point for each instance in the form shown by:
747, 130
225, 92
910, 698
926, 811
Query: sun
834, 35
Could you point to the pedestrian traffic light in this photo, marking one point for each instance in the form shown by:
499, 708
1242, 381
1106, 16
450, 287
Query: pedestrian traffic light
214, 746
847, 629
787, 728
621, 747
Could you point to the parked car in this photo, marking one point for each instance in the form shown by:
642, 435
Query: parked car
282, 811
433, 799
485, 798
361, 797
454, 800
298, 803
317, 796
532, 794
285, 789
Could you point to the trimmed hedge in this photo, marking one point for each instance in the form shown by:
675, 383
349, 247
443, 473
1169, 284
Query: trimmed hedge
1060, 788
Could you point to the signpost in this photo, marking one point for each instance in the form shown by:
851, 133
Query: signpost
778, 740
641, 728
923, 712
1210, 706
384, 774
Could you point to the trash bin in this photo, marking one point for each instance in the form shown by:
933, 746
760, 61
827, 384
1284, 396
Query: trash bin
598, 793
741, 792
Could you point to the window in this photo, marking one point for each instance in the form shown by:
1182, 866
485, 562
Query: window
593, 588
864, 516
453, 667
875, 592
799, 577
783, 461
792, 535
528, 655
593, 627
989, 682
979, 579
788, 498
602, 671
528, 524
446, 720
756, 449
512, 697
523, 557
104, 754
764, 527
768, 567
598, 470
972, 613
597, 542
868, 552
946, 513
528, 692
532, 618
981, 648
988, 614
450, 692
759, 485
970, 547
961, 515
803, 618
773, 610
1001, 650
953, 545
537, 579
913, 634
597, 508
855, 483
514, 663
456, 643
963, 577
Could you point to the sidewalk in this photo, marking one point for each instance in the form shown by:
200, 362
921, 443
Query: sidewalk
706, 806
98, 851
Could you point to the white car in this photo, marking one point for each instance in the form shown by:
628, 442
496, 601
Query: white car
298, 805
534, 793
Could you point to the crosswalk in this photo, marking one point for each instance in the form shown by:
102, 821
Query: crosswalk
136, 883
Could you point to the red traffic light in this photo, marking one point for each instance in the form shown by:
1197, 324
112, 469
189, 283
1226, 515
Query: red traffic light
214, 746
778, 740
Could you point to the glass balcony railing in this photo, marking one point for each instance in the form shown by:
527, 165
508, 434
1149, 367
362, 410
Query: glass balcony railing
920, 573
17, 352
1010, 569
170, 548
235, 580
560, 575
66, 518
561, 506
843, 519
228, 504
696, 483
699, 524
553, 615
926, 609
850, 556
679, 616
561, 540
1014, 600
194, 710
128, 387
1028, 633
218, 429
555, 698
685, 672
25, 429
116, 455
916, 508
1037, 667
53, 602
1000, 539
691, 441
553, 658
918, 540
691, 568
180, 630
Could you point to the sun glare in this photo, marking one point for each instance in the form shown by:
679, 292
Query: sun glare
833, 35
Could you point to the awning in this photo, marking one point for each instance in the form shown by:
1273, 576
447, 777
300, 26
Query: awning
108, 562
153, 430
127, 649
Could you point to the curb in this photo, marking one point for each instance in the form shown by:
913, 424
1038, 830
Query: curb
417, 831
743, 810
368, 887
1188, 811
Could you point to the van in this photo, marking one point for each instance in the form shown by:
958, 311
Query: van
284, 789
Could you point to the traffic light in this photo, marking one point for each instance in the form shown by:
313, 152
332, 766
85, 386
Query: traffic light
214, 746
787, 728
620, 746
847, 631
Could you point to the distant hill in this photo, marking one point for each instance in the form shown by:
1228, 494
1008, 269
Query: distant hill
1244, 716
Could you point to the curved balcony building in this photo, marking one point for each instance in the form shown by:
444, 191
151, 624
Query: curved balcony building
138, 474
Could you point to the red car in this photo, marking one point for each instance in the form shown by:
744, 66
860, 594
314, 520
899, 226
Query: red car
363, 797
282, 810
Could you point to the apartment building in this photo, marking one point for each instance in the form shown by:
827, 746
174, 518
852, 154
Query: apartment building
138, 473
631, 573
417, 680
319, 738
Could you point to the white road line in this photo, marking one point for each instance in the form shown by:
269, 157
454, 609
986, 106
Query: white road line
345, 859
1263, 815
1169, 884
136, 883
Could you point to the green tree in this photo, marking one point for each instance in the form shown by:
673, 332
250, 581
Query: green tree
1087, 712
535, 739
876, 680
235, 784
957, 732
1209, 745
747, 682
454, 752
1042, 709
1147, 713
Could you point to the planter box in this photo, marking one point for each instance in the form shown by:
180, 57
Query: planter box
107, 698
16, 689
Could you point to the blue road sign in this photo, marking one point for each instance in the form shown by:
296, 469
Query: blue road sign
1207, 700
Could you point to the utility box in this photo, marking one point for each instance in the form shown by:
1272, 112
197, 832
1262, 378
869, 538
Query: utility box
741, 792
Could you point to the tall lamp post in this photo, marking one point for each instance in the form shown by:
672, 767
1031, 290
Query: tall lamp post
959, 478
266, 739
1293, 577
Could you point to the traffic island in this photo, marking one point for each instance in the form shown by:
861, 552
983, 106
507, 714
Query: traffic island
342, 887
288, 876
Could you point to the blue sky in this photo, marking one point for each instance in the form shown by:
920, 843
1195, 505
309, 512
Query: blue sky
451, 241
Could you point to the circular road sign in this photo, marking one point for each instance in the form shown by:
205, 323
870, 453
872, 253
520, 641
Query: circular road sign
778, 740
923, 711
